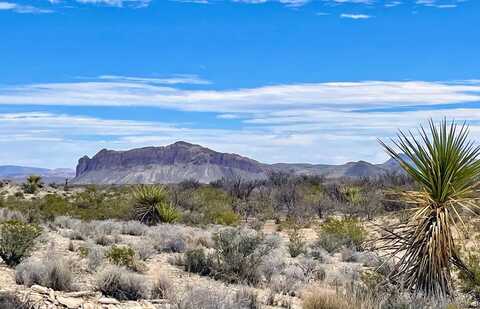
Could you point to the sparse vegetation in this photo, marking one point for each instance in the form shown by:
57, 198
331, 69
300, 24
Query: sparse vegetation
273, 239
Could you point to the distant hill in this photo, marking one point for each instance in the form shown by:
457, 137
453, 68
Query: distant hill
20, 173
181, 161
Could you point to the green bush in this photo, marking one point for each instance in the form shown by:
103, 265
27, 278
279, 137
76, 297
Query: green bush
16, 241
336, 233
121, 256
225, 217
168, 213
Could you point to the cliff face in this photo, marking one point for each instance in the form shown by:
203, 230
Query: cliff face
182, 161
172, 163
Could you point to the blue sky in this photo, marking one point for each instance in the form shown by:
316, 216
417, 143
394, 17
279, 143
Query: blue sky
280, 81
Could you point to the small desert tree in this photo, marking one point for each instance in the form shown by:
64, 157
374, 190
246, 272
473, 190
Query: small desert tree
445, 164
152, 206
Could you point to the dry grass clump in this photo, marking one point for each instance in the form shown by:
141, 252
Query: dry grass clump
9, 215
162, 288
122, 284
52, 272
169, 237
318, 299
134, 228
216, 298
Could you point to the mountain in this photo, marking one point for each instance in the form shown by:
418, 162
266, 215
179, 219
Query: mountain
181, 161
20, 173
168, 164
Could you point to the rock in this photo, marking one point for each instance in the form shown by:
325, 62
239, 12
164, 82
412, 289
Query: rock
80, 294
108, 301
70, 302
91, 306
40, 289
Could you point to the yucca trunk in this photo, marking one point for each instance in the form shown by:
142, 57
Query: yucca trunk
425, 266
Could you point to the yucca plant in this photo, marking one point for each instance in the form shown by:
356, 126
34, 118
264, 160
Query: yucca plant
33, 183
151, 205
444, 162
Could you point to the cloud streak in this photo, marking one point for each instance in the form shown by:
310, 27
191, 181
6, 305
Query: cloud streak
22, 9
318, 123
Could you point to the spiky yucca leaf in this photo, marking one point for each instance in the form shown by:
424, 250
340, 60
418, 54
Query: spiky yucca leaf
148, 201
445, 164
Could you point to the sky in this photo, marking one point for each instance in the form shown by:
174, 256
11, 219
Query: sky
311, 81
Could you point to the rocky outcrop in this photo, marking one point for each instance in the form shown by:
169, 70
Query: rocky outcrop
182, 161
168, 164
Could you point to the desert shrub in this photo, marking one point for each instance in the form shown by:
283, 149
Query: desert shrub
16, 241
238, 254
162, 288
95, 257
122, 284
247, 299
169, 238
151, 205
349, 255
226, 217
213, 298
470, 283
196, 261
52, 272
121, 256
296, 244
212, 205
144, 249
322, 300
134, 228
9, 215
312, 269
336, 233
272, 264
13, 301
289, 280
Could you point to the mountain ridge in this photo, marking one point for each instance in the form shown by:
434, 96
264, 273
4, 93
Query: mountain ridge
182, 160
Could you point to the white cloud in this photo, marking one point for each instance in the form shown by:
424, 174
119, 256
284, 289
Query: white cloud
319, 96
118, 3
176, 79
318, 123
355, 16
23, 9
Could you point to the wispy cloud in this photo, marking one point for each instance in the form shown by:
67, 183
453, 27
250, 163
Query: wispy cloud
172, 80
318, 123
355, 16
118, 3
332, 95
23, 9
